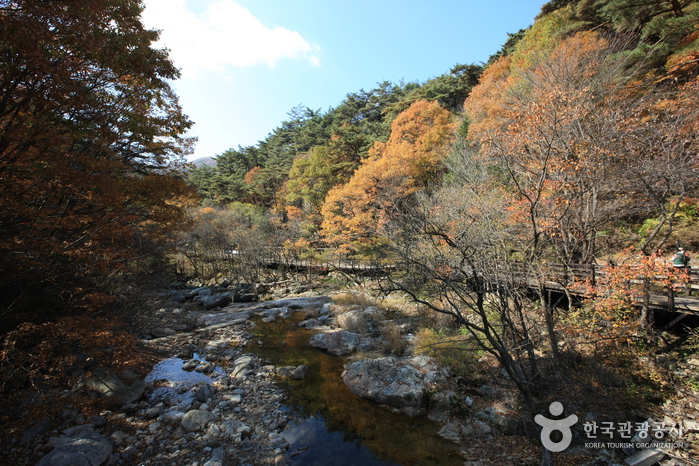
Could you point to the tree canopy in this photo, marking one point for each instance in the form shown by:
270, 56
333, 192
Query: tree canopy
556, 112
412, 159
91, 137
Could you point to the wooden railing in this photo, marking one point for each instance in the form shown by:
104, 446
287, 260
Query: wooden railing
576, 279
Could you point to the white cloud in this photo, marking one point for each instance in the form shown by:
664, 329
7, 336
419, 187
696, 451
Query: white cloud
225, 34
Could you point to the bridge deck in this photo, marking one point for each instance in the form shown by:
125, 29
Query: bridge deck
672, 301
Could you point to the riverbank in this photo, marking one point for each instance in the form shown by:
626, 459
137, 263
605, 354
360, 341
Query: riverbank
212, 395
230, 407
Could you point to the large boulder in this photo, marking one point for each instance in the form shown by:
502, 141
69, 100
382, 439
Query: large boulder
112, 389
468, 428
402, 384
79, 446
365, 321
245, 293
505, 418
342, 343
216, 301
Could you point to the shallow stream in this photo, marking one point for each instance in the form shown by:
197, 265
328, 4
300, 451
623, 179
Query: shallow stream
339, 427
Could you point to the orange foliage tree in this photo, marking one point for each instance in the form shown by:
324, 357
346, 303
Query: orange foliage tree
583, 144
411, 160
658, 144
545, 121
91, 136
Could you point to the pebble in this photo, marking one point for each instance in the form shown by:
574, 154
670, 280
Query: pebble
237, 404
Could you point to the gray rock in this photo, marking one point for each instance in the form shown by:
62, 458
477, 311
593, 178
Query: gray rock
475, 428
240, 372
113, 390
690, 426
508, 422
342, 343
444, 400
205, 393
270, 314
196, 420
217, 457
205, 367
487, 391
312, 324
227, 317
153, 412
243, 361
299, 303
186, 352
98, 421
229, 427
201, 291
451, 432
245, 298
400, 383
215, 301
120, 436
172, 417
647, 457
177, 297
225, 381
161, 332
39, 428
299, 373
129, 452
285, 371
190, 365
241, 367
82, 447
244, 431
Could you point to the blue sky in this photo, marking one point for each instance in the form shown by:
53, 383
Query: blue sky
246, 63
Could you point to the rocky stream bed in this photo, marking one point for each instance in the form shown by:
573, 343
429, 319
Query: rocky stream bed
217, 398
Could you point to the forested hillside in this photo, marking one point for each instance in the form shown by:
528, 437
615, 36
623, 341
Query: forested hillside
585, 121
581, 128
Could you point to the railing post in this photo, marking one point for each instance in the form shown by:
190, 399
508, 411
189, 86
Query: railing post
670, 299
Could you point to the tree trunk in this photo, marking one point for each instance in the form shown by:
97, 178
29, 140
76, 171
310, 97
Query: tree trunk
547, 458
677, 8
647, 316
544, 296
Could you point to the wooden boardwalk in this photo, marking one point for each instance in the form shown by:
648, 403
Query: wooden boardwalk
682, 298
560, 278
682, 304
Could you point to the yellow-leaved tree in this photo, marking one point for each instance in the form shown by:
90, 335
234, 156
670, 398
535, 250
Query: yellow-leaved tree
411, 160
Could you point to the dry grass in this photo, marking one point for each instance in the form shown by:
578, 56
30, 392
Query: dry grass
354, 299
392, 303
366, 355
355, 322
394, 341
450, 348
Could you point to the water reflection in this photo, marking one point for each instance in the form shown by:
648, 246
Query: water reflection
327, 444
341, 427
177, 390
170, 369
